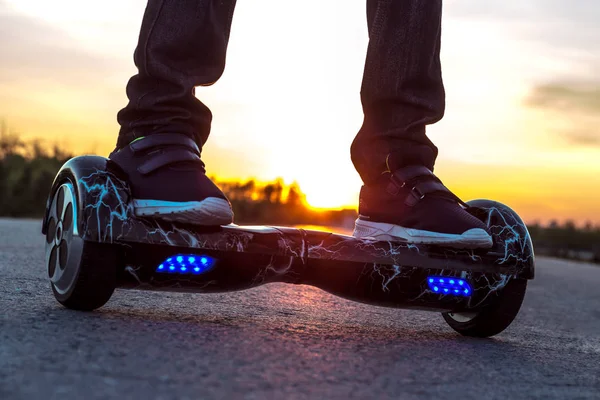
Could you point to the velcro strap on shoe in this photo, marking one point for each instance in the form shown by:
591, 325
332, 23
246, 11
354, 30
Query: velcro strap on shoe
403, 177
166, 157
422, 182
423, 188
408, 173
164, 139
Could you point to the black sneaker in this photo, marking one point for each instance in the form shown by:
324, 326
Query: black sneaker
168, 181
412, 205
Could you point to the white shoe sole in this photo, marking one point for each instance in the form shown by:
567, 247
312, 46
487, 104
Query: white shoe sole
471, 239
211, 211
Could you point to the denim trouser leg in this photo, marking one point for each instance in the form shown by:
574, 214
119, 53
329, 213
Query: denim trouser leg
182, 44
402, 89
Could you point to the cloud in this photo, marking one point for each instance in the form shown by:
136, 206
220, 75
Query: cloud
577, 105
51, 85
34, 50
558, 23
583, 137
572, 98
535, 11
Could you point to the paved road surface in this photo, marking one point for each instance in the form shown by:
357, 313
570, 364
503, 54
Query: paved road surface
280, 341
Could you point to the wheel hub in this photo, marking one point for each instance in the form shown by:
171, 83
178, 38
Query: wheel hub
463, 317
63, 244
59, 233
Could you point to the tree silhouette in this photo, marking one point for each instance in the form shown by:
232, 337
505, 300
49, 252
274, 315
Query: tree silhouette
10, 143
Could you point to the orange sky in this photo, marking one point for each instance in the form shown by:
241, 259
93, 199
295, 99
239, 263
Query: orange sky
521, 125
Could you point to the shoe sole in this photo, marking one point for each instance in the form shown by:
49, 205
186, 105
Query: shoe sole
471, 239
211, 211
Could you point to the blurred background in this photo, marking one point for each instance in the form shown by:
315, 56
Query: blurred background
522, 123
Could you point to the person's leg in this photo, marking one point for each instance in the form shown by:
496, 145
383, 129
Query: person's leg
402, 89
402, 93
182, 44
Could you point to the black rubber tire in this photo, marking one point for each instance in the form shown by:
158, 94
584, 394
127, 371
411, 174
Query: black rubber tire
495, 317
95, 281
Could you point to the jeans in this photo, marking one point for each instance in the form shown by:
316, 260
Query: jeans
183, 44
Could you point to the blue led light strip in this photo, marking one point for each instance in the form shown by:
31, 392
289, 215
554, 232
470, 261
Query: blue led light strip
449, 285
186, 264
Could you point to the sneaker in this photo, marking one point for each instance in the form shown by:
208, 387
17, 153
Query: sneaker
412, 205
168, 181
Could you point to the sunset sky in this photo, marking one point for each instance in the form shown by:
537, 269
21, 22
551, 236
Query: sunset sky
522, 123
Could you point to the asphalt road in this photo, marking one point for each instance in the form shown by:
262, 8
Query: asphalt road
292, 342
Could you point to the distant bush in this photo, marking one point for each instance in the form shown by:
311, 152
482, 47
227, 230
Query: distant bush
567, 241
27, 169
